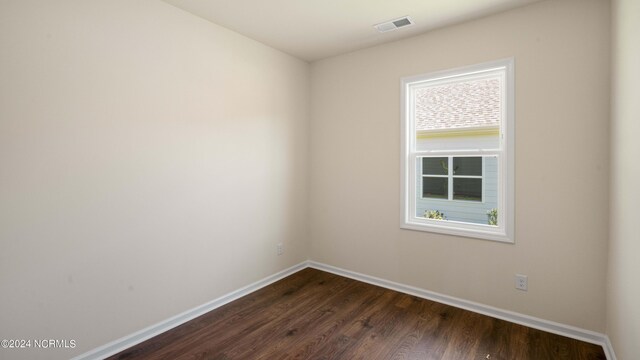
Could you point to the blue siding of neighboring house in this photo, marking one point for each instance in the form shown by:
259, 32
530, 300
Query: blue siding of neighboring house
461, 210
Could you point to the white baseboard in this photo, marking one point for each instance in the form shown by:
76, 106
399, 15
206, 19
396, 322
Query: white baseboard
526, 320
608, 349
126, 342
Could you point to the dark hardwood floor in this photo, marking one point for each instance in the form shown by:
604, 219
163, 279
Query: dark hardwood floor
317, 315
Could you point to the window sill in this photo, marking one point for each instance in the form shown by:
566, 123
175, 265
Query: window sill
447, 227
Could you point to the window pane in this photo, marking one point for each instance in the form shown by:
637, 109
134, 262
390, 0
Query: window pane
435, 165
467, 189
434, 187
467, 166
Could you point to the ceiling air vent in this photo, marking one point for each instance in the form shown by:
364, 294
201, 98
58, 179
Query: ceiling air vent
393, 24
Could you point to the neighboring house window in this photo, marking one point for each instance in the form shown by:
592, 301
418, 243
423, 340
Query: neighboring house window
452, 178
457, 152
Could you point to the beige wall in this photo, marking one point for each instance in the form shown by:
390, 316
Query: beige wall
561, 51
623, 314
150, 162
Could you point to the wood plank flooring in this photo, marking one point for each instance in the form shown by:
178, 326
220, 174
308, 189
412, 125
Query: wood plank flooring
317, 315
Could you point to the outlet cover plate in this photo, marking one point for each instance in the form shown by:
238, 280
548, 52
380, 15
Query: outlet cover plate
522, 282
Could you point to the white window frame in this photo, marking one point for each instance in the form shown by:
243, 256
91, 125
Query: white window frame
504, 231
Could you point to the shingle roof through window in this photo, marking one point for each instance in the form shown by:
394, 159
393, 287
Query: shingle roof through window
468, 104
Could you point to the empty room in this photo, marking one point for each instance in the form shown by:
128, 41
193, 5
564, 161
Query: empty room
342, 179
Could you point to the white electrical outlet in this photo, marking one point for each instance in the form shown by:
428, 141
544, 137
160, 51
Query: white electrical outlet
521, 282
280, 248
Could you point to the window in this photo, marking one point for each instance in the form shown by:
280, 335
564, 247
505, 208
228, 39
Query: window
457, 152
452, 178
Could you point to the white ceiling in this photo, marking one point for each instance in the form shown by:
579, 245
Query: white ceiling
316, 29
